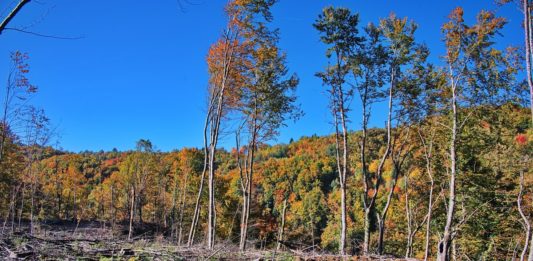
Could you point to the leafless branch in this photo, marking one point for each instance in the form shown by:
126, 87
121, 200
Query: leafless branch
12, 14
44, 35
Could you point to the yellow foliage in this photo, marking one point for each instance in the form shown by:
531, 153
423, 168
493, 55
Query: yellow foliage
373, 167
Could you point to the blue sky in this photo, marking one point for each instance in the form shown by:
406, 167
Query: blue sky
139, 71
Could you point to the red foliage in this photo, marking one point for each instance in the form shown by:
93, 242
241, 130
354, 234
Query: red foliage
521, 139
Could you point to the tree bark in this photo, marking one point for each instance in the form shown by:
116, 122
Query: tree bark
182, 208
132, 213
527, 224
196, 213
246, 175
215, 129
428, 150
32, 206
247, 193
341, 142
444, 244
282, 226
21, 205
409, 246
383, 217
528, 45
369, 205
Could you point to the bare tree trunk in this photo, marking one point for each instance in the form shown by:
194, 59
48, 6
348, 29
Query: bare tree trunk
21, 205
244, 220
383, 218
132, 213
75, 216
196, 213
428, 153
246, 185
528, 39
182, 208
527, 225
444, 244
369, 206
32, 204
428, 224
10, 209
529, 47
411, 230
13, 206
211, 207
247, 197
530, 257
113, 220
173, 209
339, 114
282, 226
366, 220
215, 128
409, 246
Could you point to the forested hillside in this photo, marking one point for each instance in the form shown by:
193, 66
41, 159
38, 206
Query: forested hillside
446, 176
296, 194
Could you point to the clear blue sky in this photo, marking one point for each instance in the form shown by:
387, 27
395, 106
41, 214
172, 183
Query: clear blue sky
140, 71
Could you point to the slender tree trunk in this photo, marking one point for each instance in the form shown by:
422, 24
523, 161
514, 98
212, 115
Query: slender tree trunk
530, 257
342, 246
282, 226
409, 246
21, 205
32, 204
196, 213
132, 213
244, 218
339, 114
13, 206
444, 244
527, 224
341, 166
173, 209
342, 239
428, 224
182, 208
248, 189
211, 207
113, 220
10, 209
528, 39
215, 129
6, 109
75, 216
383, 217
428, 152
366, 236
369, 205
244, 223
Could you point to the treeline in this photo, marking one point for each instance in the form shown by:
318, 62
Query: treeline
296, 194
447, 176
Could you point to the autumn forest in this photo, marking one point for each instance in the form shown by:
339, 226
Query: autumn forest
447, 175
